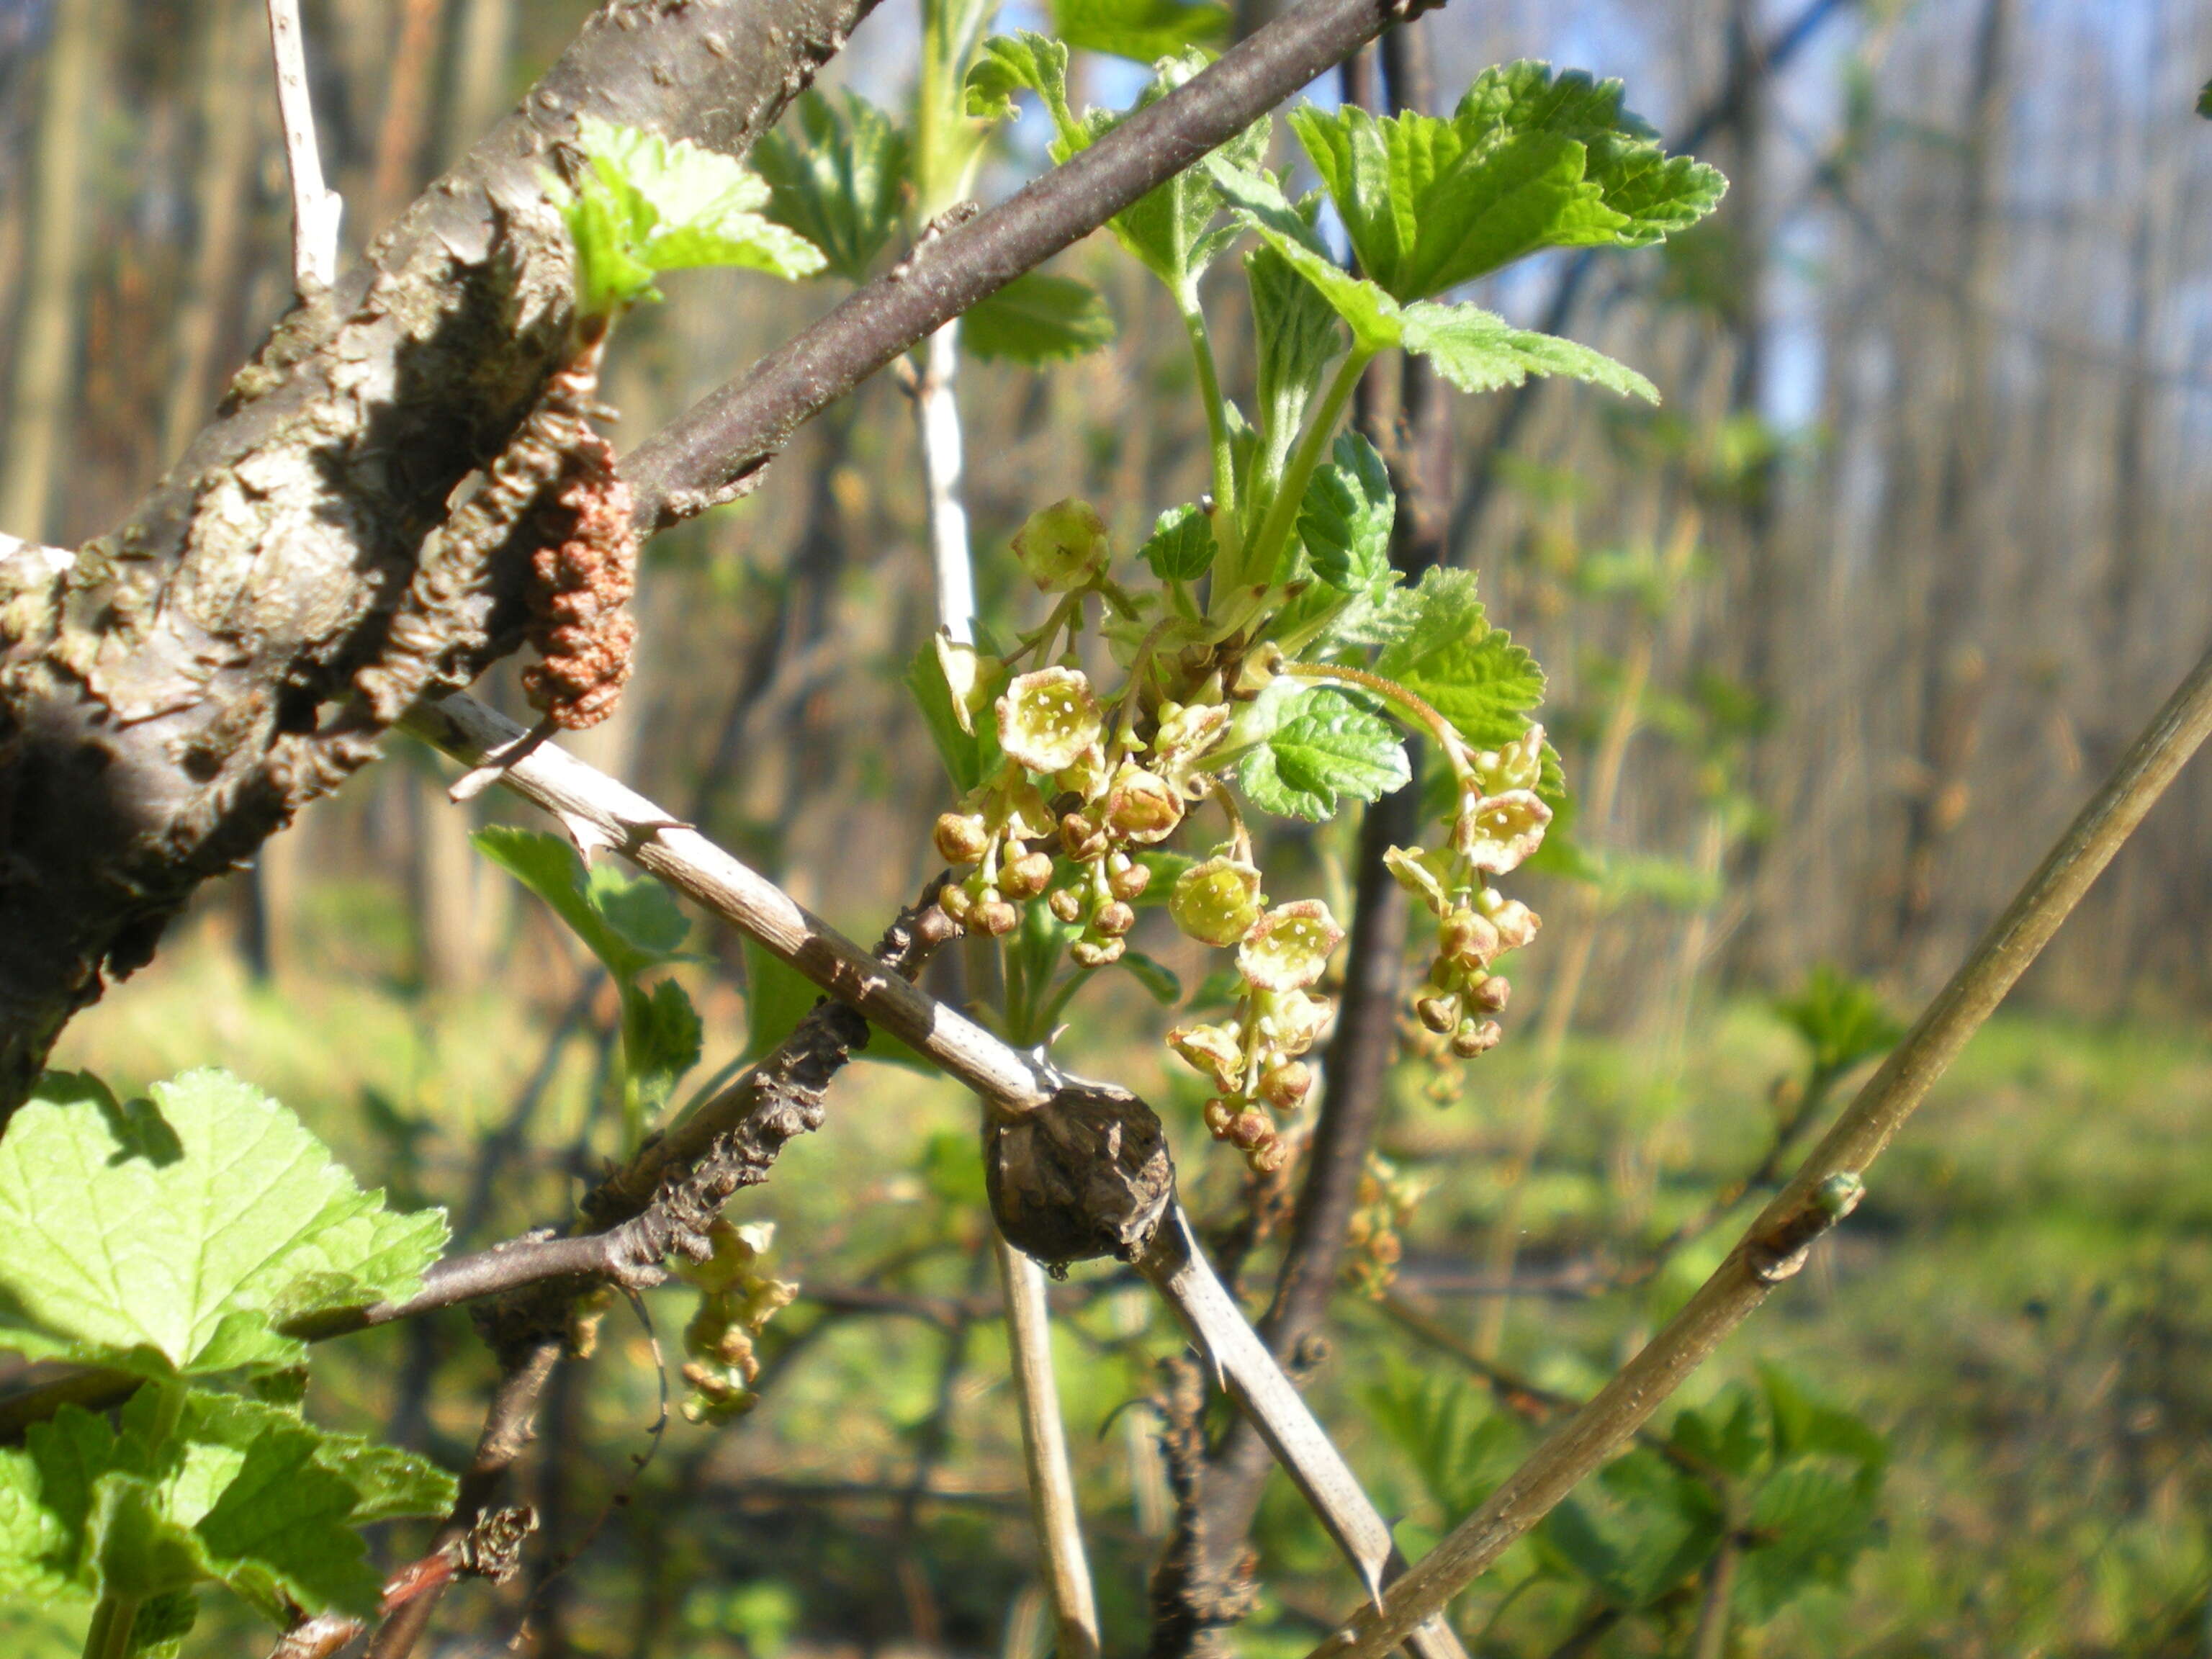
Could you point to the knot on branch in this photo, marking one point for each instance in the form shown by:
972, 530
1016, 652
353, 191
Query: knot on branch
1085, 1175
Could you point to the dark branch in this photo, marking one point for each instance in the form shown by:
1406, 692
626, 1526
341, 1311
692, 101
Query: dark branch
704, 456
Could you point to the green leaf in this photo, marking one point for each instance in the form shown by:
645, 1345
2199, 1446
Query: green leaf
1326, 747
1181, 547
31, 1535
1299, 336
1139, 29
1478, 350
661, 1041
777, 997
1462, 1451
968, 757
188, 1265
1155, 977
648, 205
630, 922
1643, 1531
1346, 515
1257, 202
838, 179
1471, 673
1023, 62
1038, 318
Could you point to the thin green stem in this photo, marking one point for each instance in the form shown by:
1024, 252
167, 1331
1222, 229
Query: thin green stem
109, 1634
1217, 427
1265, 550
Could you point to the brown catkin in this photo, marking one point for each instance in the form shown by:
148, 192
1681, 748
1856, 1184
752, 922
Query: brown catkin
582, 578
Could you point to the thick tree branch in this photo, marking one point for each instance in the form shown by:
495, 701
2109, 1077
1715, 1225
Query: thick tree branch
162, 699
1776, 1244
705, 454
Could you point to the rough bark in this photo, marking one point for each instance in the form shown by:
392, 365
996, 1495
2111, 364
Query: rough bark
163, 702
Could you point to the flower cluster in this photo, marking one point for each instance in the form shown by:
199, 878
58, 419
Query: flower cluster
737, 1300
1254, 1059
1386, 1202
1500, 823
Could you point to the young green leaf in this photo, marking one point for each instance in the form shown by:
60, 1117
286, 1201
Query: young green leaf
1346, 516
1141, 30
661, 1040
188, 1265
1326, 747
1298, 335
1471, 673
649, 204
839, 179
1038, 318
777, 997
1023, 62
1257, 202
629, 922
1840, 1019
190, 1486
1181, 547
1478, 350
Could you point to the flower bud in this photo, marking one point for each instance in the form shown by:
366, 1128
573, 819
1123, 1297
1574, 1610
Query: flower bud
1066, 904
1290, 1021
1047, 719
1490, 994
1250, 1129
1080, 839
1286, 1084
1472, 1038
1468, 938
1113, 919
956, 903
970, 676
1439, 1014
1289, 947
1126, 878
1024, 875
997, 918
1218, 1117
1216, 901
961, 837
1063, 547
1095, 953
1266, 1160
1142, 807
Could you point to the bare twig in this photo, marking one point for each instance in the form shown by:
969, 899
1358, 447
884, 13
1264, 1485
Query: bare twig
1044, 1451
1775, 1243
704, 457
316, 208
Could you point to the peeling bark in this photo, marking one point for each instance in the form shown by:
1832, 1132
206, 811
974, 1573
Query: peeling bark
162, 702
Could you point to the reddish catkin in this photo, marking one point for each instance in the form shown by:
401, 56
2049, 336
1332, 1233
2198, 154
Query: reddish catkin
581, 579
